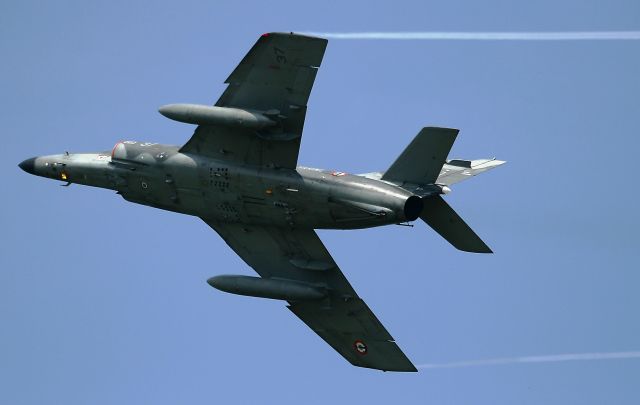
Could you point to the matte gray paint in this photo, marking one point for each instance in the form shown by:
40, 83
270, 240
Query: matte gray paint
239, 173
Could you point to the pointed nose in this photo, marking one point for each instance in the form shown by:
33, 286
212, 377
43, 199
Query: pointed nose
28, 165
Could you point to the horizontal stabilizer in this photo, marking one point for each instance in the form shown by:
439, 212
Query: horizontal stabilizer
422, 160
444, 220
457, 170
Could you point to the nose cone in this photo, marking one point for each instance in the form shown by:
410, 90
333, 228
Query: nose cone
28, 165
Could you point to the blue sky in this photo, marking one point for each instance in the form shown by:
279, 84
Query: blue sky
103, 301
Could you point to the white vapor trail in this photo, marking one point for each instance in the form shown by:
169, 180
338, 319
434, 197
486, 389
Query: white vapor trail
486, 36
535, 359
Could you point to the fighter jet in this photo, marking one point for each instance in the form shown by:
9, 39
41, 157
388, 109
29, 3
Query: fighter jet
239, 173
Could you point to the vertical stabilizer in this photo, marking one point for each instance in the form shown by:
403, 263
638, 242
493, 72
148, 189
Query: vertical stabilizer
444, 220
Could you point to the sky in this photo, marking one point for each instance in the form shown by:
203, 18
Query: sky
104, 302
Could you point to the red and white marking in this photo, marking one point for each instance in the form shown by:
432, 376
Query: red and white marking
338, 174
360, 347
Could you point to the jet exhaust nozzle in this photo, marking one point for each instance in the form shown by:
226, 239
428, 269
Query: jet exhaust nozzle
413, 208
212, 115
266, 288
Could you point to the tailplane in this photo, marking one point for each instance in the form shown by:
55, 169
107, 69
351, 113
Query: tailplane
423, 169
422, 161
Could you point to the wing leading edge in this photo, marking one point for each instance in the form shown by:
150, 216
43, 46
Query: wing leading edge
342, 319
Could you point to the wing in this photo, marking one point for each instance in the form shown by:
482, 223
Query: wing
275, 78
343, 319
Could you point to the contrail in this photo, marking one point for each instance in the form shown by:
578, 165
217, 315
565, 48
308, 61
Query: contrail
486, 36
534, 359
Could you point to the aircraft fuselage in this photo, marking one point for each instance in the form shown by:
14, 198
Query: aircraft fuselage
162, 177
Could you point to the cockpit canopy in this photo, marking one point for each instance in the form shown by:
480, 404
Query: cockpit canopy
139, 152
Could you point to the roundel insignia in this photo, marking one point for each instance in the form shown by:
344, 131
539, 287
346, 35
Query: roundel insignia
360, 347
338, 174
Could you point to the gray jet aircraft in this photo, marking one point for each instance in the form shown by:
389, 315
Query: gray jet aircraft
239, 172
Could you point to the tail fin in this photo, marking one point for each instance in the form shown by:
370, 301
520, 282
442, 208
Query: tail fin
444, 220
422, 161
